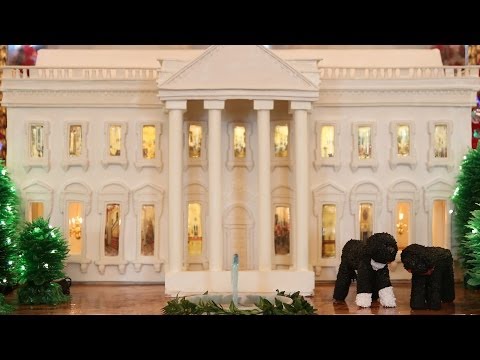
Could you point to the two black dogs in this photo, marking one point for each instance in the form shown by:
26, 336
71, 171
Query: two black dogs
367, 263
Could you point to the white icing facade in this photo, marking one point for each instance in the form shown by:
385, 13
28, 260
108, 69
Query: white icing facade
161, 164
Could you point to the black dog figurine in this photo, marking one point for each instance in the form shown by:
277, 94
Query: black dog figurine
432, 276
367, 261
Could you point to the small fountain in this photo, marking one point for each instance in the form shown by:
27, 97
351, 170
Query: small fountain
242, 302
235, 279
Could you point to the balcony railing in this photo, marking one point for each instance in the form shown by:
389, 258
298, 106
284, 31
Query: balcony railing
77, 73
389, 73
325, 73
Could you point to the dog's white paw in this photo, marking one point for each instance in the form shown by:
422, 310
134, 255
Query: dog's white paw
387, 297
364, 300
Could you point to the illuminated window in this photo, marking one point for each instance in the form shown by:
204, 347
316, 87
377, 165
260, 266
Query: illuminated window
329, 222
282, 230
280, 141
75, 223
115, 140
439, 223
366, 220
36, 210
148, 230
364, 142
112, 230
75, 140
239, 141
440, 141
403, 140
148, 141
194, 229
36, 141
403, 225
194, 141
327, 141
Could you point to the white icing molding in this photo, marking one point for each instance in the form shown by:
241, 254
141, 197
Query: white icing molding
447, 161
38, 154
333, 161
37, 191
233, 161
372, 162
365, 192
115, 192
77, 191
153, 195
140, 161
82, 159
202, 159
395, 159
116, 159
281, 161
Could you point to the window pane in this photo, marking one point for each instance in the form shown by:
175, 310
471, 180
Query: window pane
440, 150
327, 142
366, 221
148, 141
282, 230
239, 142
75, 140
194, 141
36, 210
329, 221
115, 140
281, 140
36, 141
403, 225
194, 229
439, 223
403, 140
75, 221
364, 142
148, 230
112, 230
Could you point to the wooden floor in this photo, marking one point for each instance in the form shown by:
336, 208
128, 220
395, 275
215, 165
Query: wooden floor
97, 299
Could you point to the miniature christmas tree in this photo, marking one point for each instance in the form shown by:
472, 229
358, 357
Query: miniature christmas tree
466, 199
42, 252
9, 220
472, 243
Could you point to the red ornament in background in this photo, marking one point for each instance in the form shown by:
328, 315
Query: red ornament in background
27, 56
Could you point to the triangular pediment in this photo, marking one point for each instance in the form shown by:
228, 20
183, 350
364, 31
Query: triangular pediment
239, 69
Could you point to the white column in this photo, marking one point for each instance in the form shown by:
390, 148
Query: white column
300, 119
215, 191
175, 187
264, 233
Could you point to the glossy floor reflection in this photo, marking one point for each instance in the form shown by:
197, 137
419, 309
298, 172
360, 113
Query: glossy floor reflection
93, 299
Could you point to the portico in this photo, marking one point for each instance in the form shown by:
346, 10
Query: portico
220, 74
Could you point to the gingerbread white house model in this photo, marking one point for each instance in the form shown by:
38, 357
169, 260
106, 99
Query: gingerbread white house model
159, 165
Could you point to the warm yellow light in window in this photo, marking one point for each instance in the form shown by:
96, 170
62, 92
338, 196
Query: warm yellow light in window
366, 220
282, 230
403, 140
194, 141
148, 230
148, 141
440, 141
194, 229
327, 141
36, 210
115, 140
75, 140
75, 222
364, 142
239, 141
329, 222
280, 139
36, 141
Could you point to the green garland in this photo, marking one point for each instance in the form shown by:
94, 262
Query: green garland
466, 199
183, 306
9, 225
472, 243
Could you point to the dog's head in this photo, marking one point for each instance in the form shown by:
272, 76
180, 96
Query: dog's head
382, 247
415, 259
